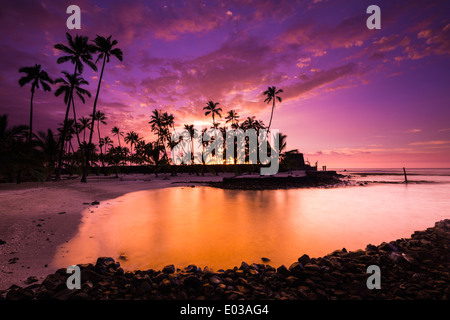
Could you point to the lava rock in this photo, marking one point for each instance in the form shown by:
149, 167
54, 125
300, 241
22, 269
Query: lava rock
304, 259
169, 269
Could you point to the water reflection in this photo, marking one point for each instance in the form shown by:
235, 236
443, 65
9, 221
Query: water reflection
221, 228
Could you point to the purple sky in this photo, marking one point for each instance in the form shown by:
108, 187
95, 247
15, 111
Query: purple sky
353, 97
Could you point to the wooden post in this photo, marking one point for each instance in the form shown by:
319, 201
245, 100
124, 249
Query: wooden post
404, 172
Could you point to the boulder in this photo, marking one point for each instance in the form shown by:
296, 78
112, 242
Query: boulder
169, 269
192, 281
387, 247
283, 270
304, 259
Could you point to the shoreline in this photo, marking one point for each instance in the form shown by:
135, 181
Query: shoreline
413, 268
37, 218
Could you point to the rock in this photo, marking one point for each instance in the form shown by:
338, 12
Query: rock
81, 296
31, 279
93, 203
105, 263
296, 268
143, 288
191, 268
2, 242
283, 270
387, 247
86, 286
312, 267
192, 281
123, 257
304, 259
160, 277
64, 294
62, 212
169, 269
263, 259
54, 282
371, 247
19, 294
13, 260
244, 266
215, 280
90, 275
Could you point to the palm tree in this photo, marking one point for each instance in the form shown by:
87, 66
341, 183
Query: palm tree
101, 118
7, 134
272, 95
78, 52
132, 138
232, 117
161, 122
84, 122
15, 153
193, 133
107, 142
103, 46
116, 131
211, 108
252, 123
34, 75
68, 86
47, 143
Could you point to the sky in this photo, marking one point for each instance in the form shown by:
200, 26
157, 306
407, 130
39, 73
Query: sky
353, 97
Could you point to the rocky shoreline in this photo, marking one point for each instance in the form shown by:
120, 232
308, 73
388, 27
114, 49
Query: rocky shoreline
411, 269
316, 179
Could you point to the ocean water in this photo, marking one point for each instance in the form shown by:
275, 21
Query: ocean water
221, 228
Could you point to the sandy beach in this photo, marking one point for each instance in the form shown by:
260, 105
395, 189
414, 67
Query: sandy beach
36, 218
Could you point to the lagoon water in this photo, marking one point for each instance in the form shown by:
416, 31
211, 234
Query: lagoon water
221, 228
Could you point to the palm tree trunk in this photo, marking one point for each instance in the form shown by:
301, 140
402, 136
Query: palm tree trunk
76, 131
63, 137
31, 114
85, 169
271, 115
99, 145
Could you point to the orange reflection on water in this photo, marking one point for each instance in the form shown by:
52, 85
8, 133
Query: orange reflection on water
221, 228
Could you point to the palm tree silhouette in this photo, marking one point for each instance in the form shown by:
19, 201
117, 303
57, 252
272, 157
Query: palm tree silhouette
272, 95
84, 122
34, 75
47, 143
78, 52
101, 118
252, 123
232, 117
193, 133
211, 108
68, 86
161, 122
107, 142
116, 131
104, 47
132, 138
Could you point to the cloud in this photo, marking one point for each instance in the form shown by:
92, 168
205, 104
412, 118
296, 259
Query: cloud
352, 151
413, 131
319, 79
429, 143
